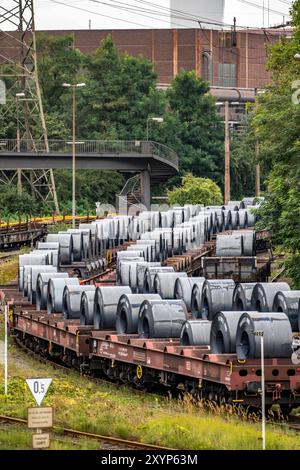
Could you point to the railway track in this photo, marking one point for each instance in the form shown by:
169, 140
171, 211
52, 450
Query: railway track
121, 444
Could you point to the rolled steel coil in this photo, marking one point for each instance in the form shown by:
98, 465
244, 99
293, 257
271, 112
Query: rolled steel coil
149, 276
106, 303
153, 247
53, 256
249, 243
123, 269
128, 311
77, 236
55, 293
223, 332
251, 217
138, 283
288, 303
72, 300
65, 241
227, 220
164, 283
195, 333
248, 201
235, 220
87, 307
32, 279
243, 219
216, 297
264, 293
242, 294
197, 299
230, 245
183, 289
42, 283
277, 334
145, 251
30, 260
161, 318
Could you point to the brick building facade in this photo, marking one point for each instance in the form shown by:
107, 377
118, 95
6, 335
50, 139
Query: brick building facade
223, 58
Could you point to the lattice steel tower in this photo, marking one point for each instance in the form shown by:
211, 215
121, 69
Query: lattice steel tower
18, 69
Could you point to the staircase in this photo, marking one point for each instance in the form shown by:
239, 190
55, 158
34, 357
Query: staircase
130, 197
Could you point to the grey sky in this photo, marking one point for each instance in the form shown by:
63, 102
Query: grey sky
52, 15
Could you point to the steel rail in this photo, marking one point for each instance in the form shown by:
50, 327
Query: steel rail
99, 437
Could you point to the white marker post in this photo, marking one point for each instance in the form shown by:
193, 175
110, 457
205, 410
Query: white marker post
5, 350
260, 334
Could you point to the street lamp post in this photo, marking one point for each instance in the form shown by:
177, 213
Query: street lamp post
155, 119
19, 171
260, 334
73, 86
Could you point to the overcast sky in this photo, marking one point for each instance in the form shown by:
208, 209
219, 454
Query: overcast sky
53, 14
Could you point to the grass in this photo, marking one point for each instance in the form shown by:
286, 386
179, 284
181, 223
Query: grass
9, 270
13, 437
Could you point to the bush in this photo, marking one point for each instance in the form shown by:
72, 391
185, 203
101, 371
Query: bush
196, 191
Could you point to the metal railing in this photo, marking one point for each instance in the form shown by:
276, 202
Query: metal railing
114, 147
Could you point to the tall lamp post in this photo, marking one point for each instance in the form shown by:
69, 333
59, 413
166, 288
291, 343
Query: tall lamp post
19, 171
260, 334
155, 119
74, 87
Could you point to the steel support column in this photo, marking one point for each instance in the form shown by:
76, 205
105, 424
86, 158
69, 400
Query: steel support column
146, 188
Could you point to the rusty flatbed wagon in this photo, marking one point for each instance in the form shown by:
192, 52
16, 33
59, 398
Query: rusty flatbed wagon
157, 362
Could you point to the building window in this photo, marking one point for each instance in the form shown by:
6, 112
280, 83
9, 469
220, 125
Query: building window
227, 75
206, 67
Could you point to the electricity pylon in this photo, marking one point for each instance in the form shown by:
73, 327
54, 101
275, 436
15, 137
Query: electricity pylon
18, 70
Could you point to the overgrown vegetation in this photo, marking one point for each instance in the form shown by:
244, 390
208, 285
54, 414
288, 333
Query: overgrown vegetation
196, 191
276, 124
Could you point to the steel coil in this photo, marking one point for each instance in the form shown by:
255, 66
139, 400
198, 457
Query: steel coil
106, 303
65, 246
161, 318
223, 332
128, 311
230, 245
32, 279
264, 293
216, 297
72, 300
138, 283
249, 243
48, 246
288, 303
87, 307
197, 299
149, 276
243, 219
77, 237
55, 293
277, 336
42, 283
195, 333
242, 294
30, 260
183, 289
164, 283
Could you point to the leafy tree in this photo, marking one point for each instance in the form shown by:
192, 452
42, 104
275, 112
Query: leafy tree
277, 126
13, 204
198, 136
196, 190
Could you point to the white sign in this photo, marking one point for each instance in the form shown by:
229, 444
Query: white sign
38, 388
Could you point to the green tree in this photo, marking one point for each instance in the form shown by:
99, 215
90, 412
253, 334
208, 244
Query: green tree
196, 131
13, 204
196, 190
277, 126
